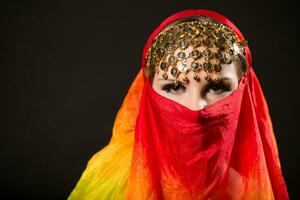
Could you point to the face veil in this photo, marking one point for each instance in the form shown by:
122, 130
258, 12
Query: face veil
160, 149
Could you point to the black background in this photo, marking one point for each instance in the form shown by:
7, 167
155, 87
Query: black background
66, 67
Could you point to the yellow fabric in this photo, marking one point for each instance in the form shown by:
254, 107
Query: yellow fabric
107, 172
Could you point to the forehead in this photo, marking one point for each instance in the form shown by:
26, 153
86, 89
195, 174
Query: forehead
228, 71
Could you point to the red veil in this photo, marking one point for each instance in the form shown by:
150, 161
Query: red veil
161, 149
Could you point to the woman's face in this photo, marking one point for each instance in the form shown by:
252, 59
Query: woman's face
195, 95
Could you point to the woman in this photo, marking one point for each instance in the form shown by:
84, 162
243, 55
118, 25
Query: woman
194, 124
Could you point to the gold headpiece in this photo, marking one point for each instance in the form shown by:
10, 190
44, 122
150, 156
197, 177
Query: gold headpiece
212, 44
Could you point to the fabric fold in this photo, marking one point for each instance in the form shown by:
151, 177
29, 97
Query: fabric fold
161, 149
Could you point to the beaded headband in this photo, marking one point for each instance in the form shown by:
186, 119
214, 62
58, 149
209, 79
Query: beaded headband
212, 44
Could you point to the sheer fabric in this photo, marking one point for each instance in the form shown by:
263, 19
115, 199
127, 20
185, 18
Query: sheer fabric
160, 149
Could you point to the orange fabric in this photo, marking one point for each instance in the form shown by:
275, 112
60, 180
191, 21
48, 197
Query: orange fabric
163, 150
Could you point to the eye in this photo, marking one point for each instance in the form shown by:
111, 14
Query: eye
174, 89
218, 87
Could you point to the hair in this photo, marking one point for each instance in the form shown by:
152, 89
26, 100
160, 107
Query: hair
242, 63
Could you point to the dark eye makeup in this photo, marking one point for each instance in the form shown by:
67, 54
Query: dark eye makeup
172, 88
211, 87
218, 87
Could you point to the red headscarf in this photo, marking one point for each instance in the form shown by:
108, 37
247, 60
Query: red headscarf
161, 149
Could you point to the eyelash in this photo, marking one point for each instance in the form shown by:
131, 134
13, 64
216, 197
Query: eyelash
219, 87
171, 86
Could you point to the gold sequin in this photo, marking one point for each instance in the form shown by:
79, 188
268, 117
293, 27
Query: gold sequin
195, 34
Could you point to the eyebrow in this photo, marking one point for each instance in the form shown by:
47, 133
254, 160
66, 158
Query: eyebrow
169, 80
222, 78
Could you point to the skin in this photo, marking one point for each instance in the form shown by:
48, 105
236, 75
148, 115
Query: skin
197, 95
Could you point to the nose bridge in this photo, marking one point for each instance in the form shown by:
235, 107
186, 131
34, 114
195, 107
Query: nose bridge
194, 101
